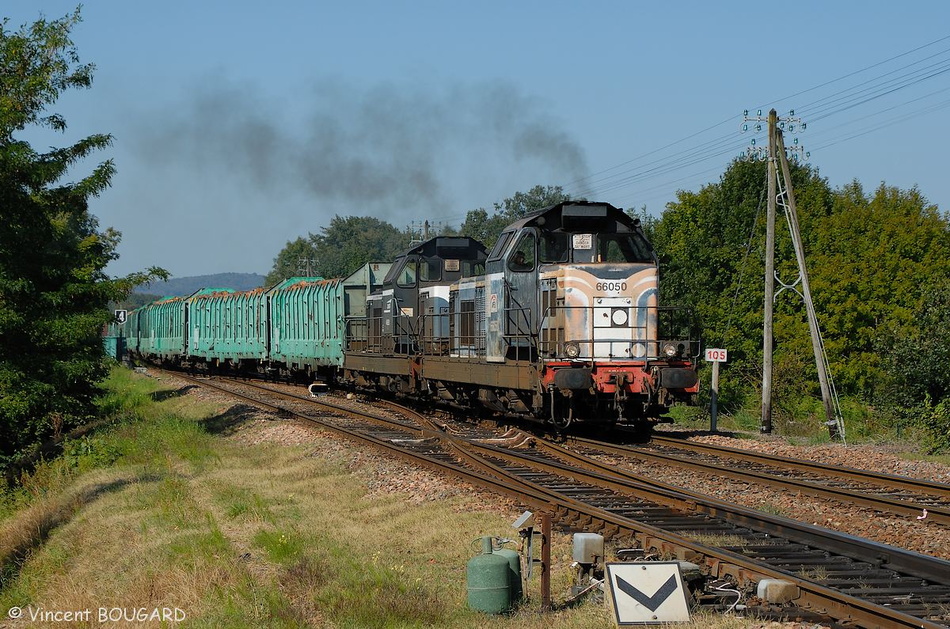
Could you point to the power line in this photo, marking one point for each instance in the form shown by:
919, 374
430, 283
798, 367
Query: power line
623, 176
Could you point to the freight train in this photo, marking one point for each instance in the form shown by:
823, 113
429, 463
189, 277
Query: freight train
559, 322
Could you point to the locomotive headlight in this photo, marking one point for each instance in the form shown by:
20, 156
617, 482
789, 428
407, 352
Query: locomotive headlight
619, 316
572, 349
670, 349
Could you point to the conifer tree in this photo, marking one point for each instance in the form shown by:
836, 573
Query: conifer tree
54, 293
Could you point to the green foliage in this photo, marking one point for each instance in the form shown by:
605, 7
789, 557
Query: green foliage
937, 424
89, 453
54, 294
916, 390
293, 260
38, 64
482, 227
340, 249
707, 264
875, 264
367, 239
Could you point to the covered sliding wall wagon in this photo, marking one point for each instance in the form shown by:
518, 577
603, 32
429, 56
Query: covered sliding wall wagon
157, 331
306, 323
227, 327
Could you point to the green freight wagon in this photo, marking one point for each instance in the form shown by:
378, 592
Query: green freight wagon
227, 328
306, 325
132, 332
160, 330
113, 340
360, 284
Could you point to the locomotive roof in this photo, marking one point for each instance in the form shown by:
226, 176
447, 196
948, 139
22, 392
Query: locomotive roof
578, 216
448, 247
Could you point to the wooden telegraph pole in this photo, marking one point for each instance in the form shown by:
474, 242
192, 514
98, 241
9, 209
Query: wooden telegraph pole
832, 420
766, 423
787, 198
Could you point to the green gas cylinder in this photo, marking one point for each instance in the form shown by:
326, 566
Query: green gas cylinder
514, 573
487, 576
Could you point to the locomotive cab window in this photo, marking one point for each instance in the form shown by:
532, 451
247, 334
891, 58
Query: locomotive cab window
553, 247
431, 270
472, 269
499, 249
522, 258
406, 275
624, 248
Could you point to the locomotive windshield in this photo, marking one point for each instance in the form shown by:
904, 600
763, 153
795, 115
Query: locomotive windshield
563, 247
403, 272
554, 247
625, 248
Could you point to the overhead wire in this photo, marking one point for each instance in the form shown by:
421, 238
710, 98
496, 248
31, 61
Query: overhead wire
624, 176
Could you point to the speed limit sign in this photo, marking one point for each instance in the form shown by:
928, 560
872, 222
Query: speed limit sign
716, 355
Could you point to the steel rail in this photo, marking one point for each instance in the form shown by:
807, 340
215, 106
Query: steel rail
923, 566
888, 481
885, 504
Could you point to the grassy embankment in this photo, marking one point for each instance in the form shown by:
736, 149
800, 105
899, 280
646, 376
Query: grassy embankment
162, 508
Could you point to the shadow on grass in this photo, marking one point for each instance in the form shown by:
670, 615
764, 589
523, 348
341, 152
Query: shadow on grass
22, 536
230, 420
167, 394
26, 461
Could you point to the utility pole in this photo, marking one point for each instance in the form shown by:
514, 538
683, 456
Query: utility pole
786, 197
832, 420
305, 266
766, 423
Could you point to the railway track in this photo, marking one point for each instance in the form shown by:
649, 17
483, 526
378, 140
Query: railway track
850, 579
887, 493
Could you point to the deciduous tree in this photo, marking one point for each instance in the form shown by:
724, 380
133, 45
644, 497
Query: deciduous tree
480, 226
295, 259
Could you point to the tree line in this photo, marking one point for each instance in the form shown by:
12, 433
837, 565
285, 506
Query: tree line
879, 269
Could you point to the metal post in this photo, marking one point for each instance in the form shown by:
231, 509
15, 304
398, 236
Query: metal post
714, 398
545, 562
766, 425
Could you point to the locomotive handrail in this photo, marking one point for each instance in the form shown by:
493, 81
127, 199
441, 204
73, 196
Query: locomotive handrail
438, 334
553, 325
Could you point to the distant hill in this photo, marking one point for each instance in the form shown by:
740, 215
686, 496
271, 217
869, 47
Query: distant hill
180, 286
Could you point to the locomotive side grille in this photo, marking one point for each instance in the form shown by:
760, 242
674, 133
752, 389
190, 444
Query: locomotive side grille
480, 322
552, 325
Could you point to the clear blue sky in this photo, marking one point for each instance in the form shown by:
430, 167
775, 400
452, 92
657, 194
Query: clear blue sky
241, 125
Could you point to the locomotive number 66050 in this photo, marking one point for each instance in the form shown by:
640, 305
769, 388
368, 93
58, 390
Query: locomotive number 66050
611, 286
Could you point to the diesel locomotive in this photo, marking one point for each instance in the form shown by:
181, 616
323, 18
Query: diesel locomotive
559, 322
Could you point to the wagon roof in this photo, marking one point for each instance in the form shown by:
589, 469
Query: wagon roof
298, 283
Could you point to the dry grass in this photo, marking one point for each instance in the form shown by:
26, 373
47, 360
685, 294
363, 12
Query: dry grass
721, 540
253, 535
